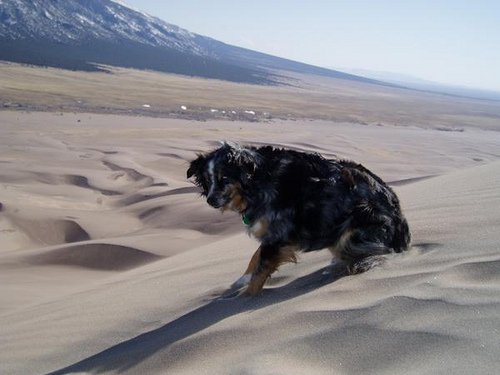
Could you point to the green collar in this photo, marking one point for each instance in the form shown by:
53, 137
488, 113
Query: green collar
245, 219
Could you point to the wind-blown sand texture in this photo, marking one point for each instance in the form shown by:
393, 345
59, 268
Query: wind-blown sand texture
110, 262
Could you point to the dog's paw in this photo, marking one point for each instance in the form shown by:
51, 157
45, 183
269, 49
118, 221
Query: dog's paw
237, 288
248, 284
242, 281
256, 284
231, 294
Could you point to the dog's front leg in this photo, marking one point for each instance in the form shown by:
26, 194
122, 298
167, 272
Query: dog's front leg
247, 276
264, 262
270, 257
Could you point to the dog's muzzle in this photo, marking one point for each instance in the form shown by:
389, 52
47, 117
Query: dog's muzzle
215, 201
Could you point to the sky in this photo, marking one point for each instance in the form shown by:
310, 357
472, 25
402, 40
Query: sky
454, 42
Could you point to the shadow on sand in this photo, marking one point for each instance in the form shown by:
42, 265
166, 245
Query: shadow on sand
127, 354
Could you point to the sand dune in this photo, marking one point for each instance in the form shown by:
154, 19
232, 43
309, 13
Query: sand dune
426, 312
97, 256
130, 282
53, 232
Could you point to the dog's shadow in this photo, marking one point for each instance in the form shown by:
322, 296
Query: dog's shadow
127, 354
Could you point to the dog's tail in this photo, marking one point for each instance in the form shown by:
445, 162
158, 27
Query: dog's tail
402, 236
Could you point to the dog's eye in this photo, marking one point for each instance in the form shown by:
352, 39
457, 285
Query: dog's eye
224, 179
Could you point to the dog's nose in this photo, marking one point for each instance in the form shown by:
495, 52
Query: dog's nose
212, 201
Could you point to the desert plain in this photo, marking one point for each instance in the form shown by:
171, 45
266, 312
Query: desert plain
111, 262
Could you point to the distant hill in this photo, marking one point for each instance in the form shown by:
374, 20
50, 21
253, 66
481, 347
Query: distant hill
81, 34
405, 80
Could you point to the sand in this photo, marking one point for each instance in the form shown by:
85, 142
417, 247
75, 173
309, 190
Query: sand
110, 262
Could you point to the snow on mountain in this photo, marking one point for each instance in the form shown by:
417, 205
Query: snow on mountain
77, 21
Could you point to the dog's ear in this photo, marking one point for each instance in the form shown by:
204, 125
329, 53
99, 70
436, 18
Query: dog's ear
196, 166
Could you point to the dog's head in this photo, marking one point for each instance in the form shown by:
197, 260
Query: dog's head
223, 174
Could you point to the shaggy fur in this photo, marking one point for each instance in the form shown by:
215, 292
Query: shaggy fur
293, 201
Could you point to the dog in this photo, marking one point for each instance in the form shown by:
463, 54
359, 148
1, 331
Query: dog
294, 201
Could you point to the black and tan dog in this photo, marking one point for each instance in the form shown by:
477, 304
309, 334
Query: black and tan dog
292, 201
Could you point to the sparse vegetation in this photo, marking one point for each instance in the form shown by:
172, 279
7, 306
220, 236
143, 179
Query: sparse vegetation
148, 93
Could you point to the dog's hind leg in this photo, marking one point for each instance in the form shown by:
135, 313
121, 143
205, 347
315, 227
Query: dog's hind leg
360, 250
365, 249
338, 251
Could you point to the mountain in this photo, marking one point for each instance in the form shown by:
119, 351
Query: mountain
81, 34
